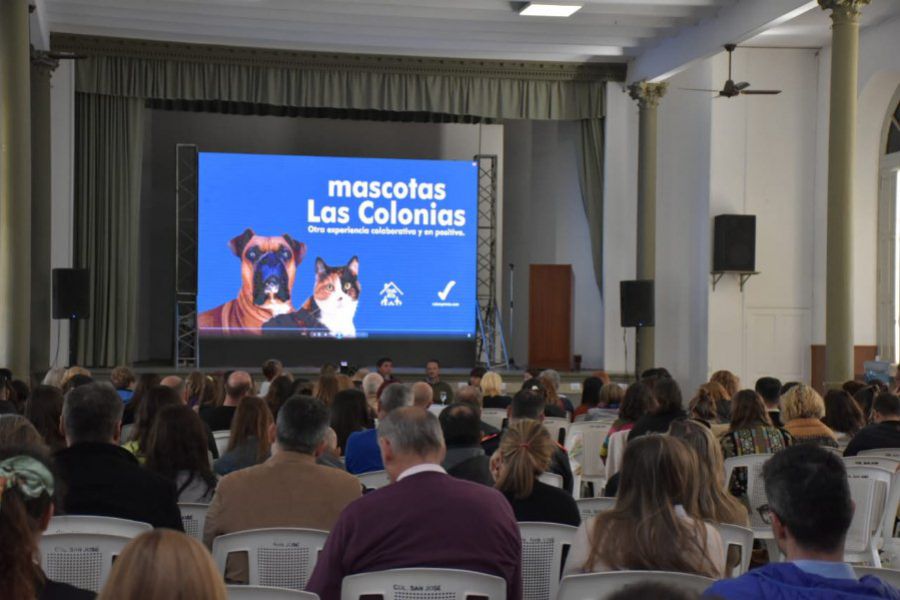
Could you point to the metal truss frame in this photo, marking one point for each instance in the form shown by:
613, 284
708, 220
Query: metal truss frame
187, 350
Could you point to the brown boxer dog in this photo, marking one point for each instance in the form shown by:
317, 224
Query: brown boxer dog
268, 267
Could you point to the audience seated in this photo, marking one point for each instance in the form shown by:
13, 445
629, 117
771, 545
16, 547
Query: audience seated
491, 385
277, 393
371, 383
769, 390
123, 379
350, 413
361, 454
865, 398
590, 395
76, 380
884, 432
714, 503
529, 404
177, 451
16, 430
704, 405
802, 409
472, 395
423, 396
751, 430
637, 402
70, 374
667, 395
144, 383
842, 415
475, 376
811, 510
99, 477
27, 488
54, 377
160, 565
443, 391
153, 401
525, 452
249, 440
271, 369
731, 384
193, 389
424, 518
238, 385
465, 457
326, 389
551, 381
288, 490
655, 524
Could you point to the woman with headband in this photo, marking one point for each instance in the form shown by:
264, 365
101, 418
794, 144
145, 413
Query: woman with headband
26, 505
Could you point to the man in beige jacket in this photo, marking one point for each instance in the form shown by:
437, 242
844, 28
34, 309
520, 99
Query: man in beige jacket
288, 490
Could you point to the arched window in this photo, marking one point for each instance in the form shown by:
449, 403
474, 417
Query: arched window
888, 292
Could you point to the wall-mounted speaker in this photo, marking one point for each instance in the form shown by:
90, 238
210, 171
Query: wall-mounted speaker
71, 293
734, 243
636, 303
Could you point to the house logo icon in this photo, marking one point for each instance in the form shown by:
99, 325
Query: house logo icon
390, 295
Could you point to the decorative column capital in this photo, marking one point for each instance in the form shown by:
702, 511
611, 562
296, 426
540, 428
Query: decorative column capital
647, 94
844, 11
43, 60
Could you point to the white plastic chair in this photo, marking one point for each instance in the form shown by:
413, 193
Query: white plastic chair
374, 479
888, 452
80, 559
259, 592
756, 494
884, 462
742, 537
889, 576
423, 584
280, 557
542, 558
556, 424
193, 518
599, 585
221, 438
494, 416
551, 479
592, 434
590, 507
869, 488
90, 524
615, 452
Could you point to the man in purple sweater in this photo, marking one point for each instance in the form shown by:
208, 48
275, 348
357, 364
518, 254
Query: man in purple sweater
425, 518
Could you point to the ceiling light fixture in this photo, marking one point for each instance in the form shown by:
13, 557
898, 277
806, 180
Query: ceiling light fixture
549, 9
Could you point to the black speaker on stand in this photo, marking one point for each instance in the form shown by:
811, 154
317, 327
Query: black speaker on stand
71, 301
636, 306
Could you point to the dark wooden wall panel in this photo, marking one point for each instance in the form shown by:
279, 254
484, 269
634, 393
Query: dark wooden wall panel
550, 295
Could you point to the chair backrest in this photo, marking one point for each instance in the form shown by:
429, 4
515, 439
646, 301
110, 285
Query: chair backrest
756, 491
615, 452
80, 559
493, 416
96, 524
885, 462
592, 435
374, 479
542, 558
423, 584
280, 557
260, 592
221, 438
869, 487
742, 537
558, 428
193, 518
889, 452
589, 507
599, 585
889, 576
551, 479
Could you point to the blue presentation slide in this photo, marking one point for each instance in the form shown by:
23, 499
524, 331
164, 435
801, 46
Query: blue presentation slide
336, 247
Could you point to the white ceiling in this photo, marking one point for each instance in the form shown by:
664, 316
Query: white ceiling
603, 30
812, 29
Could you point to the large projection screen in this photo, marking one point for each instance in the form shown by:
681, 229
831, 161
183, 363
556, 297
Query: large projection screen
320, 259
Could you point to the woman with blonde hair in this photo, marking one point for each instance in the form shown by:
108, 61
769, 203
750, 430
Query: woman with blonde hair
249, 443
492, 387
802, 409
525, 452
655, 524
164, 565
731, 384
714, 502
326, 388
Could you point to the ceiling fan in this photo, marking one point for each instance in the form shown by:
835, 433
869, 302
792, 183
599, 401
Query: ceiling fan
731, 88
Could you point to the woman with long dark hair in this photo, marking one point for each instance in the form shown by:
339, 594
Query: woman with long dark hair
349, 413
154, 400
44, 409
145, 381
249, 442
177, 450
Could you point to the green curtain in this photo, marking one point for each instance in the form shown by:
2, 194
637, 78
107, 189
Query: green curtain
117, 77
591, 174
109, 141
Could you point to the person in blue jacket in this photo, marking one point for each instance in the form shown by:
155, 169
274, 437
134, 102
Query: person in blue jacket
810, 509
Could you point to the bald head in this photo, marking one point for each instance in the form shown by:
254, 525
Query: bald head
422, 394
238, 386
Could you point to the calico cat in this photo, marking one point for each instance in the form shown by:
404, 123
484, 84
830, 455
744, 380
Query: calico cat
332, 306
